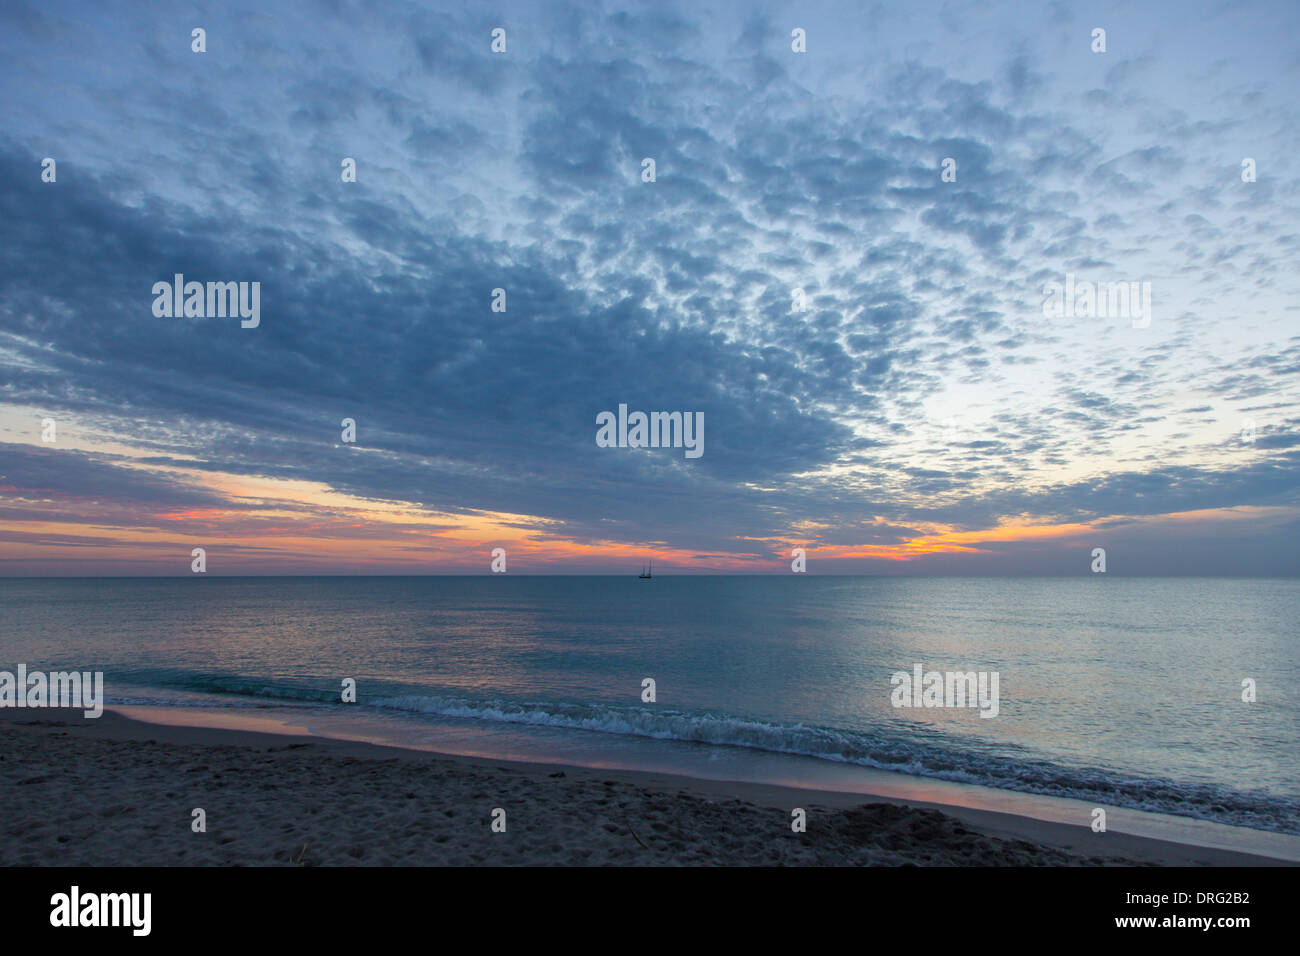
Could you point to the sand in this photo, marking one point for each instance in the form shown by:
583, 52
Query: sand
116, 791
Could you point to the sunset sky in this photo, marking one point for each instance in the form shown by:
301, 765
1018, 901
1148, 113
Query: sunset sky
922, 415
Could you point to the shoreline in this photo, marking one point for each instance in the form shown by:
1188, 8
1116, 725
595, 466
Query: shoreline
272, 781
795, 772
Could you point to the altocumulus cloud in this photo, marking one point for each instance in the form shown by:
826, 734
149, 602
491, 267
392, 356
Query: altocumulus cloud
921, 388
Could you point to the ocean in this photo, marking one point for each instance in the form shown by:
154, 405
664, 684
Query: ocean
1124, 692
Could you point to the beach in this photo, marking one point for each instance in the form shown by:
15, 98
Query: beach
121, 792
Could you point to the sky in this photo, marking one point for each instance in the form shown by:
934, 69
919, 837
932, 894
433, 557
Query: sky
925, 412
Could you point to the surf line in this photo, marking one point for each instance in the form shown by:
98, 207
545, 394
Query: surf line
57, 689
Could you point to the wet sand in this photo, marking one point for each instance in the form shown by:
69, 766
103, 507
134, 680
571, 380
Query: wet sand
117, 791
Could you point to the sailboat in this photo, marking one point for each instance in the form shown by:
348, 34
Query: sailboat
647, 570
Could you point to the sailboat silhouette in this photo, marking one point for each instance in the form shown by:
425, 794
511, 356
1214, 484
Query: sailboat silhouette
647, 570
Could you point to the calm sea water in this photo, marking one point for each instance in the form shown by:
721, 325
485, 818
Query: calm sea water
1125, 692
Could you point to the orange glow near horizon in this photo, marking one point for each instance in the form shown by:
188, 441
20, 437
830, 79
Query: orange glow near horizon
273, 524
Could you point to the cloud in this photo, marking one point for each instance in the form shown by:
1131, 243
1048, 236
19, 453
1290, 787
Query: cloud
523, 172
